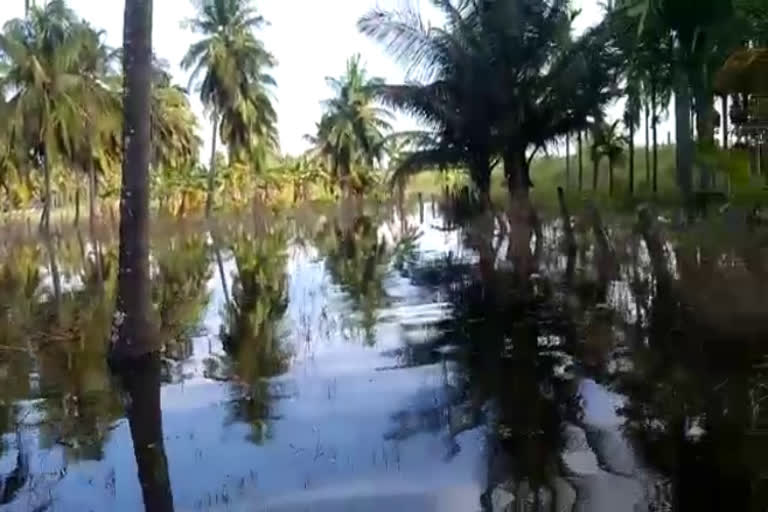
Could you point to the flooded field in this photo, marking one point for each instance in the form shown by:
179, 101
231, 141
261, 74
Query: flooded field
369, 360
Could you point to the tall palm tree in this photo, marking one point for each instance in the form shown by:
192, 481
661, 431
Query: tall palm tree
504, 79
352, 131
231, 67
134, 343
40, 57
445, 93
94, 144
132, 330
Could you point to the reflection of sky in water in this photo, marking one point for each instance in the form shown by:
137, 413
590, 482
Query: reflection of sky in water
337, 436
368, 420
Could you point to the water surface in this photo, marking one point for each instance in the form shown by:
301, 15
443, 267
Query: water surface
370, 360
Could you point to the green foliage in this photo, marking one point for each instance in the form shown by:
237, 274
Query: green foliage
351, 134
498, 79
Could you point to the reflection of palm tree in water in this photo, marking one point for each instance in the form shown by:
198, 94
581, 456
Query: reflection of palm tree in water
141, 382
357, 261
250, 330
690, 388
498, 323
180, 292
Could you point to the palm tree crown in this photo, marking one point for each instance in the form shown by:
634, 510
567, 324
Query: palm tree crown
352, 131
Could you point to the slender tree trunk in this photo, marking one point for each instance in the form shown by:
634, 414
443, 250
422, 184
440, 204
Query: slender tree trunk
220, 265
516, 171
91, 195
76, 222
141, 383
570, 239
45, 218
567, 161
683, 130
655, 129
705, 117
610, 176
631, 158
182, 205
724, 102
53, 268
595, 173
580, 143
647, 145
132, 329
212, 168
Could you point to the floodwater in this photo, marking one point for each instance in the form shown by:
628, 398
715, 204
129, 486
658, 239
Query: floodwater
374, 361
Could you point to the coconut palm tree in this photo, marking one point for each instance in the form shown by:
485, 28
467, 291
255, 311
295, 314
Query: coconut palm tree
608, 142
230, 66
95, 145
40, 74
132, 330
352, 131
502, 79
445, 92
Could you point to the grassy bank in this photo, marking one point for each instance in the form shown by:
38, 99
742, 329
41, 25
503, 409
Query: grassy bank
549, 173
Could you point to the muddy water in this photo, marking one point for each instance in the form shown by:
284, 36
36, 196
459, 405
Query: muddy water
365, 361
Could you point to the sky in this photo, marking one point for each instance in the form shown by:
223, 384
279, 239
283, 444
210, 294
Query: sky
311, 40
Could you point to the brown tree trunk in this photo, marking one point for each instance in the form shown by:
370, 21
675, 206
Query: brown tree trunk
705, 118
220, 265
647, 145
91, 195
631, 157
140, 380
595, 173
610, 176
53, 268
516, 171
683, 131
212, 168
567, 161
45, 218
76, 222
724, 102
580, 150
132, 329
655, 127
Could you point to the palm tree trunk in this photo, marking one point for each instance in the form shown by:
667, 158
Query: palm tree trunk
567, 161
647, 145
45, 218
724, 102
683, 131
182, 205
655, 128
595, 173
91, 194
580, 150
53, 268
76, 222
220, 265
516, 171
212, 168
631, 157
705, 117
132, 329
610, 176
